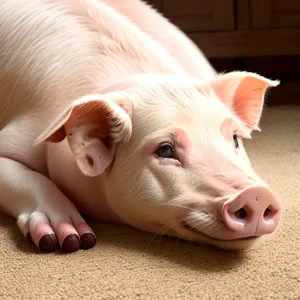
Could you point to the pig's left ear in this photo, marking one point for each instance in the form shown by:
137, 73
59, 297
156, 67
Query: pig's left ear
244, 93
93, 126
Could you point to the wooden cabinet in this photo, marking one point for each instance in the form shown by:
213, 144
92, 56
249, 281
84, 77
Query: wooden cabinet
194, 15
205, 15
275, 14
237, 28
155, 3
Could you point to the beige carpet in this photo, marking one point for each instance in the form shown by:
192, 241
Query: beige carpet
126, 264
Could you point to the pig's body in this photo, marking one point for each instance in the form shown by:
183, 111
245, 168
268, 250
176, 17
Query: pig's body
54, 52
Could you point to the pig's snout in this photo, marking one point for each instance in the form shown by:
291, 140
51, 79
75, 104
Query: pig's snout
254, 211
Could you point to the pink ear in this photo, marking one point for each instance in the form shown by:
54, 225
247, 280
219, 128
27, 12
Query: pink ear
93, 126
244, 93
95, 158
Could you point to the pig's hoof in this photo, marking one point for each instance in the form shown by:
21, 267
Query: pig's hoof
88, 241
48, 243
71, 243
70, 233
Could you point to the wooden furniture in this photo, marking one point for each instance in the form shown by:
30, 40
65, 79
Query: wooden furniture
262, 36
237, 28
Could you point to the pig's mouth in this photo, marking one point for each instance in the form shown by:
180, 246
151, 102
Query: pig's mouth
196, 231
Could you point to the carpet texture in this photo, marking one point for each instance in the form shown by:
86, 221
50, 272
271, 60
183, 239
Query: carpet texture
129, 264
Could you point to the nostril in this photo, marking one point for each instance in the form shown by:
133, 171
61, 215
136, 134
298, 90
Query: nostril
240, 214
269, 214
238, 218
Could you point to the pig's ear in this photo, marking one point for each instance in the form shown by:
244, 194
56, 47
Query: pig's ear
93, 126
244, 93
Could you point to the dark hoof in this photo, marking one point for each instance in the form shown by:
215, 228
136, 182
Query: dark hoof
71, 243
88, 241
48, 243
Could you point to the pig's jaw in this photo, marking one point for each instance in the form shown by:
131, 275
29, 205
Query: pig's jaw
237, 244
182, 231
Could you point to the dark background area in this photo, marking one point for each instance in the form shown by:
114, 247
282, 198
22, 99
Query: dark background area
261, 36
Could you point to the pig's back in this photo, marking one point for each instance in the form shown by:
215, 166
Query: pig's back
38, 53
54, 51
46, 57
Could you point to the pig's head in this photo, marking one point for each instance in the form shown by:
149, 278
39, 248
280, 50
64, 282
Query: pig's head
171, 152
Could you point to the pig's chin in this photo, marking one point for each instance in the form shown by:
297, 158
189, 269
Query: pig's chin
194, 235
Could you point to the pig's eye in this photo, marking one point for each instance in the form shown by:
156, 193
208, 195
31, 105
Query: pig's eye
165, 151
236, 140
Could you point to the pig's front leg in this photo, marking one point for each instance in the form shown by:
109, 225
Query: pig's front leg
42, 211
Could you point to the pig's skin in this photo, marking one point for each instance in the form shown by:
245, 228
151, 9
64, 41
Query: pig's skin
56, 55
